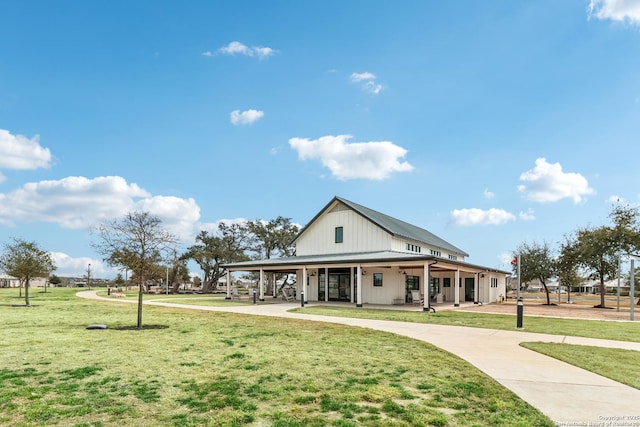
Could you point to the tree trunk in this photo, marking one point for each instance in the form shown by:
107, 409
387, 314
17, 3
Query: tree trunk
602, 293
26, 293
140, 294
206, 286
546, 290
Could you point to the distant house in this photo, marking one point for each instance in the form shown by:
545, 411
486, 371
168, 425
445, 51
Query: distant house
7, 281
352, 253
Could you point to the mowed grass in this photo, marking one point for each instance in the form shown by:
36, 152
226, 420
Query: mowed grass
189, 368
622, 331
619, 365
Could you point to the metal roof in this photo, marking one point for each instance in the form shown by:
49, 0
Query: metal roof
392, 226
384, 257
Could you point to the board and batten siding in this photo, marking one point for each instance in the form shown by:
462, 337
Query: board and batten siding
359, 235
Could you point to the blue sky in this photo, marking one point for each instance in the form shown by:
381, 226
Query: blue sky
488, 123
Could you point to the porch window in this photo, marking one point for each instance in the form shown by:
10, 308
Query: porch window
339, 234
446, 282
377, 279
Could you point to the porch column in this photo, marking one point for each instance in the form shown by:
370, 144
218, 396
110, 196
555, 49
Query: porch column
359, 286
273, 281
261, 285
228, 285
427, 293
304, 284
476, 289
456, 292
326, 284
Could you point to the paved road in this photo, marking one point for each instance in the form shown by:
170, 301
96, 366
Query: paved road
570, 396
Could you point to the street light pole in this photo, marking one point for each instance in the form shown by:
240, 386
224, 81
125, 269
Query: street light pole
89, 276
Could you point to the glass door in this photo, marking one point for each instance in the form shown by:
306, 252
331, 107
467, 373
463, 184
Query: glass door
411, 283
339, 284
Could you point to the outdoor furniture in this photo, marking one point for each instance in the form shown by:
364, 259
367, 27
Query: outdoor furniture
417, 298
234, 293
286, 295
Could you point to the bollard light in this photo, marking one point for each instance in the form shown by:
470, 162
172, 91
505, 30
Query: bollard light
302, 298
254, 296
520, 313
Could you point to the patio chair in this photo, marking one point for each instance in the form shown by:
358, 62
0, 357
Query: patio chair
417, 298
234, 293
286, 295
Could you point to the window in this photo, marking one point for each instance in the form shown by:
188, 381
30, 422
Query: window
377, 279
494, 282
453, 257
446, 282
436, 253
339, 234
413, 248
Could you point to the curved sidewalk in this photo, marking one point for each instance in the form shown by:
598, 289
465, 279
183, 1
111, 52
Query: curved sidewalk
566, 394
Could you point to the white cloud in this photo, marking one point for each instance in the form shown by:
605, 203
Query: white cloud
527, 216
82, 203
20, 152
356, 160
627, 11
245, 117
367, 81
548, 183
358, 77
488, 194
237, 48
474, 216
179, 216
207, 53
77, 267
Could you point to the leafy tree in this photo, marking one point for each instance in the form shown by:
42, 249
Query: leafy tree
212, 251
55, 280
536, 262
597, 250
272, 239
25, 260
137, 242
567, 267
119, 280
179, 273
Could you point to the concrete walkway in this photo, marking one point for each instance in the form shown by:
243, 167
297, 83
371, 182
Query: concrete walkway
570, 396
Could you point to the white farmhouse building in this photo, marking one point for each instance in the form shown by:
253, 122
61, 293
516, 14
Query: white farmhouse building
354, 254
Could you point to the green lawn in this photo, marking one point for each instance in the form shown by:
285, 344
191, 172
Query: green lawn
619, 365
623, 331
188, 368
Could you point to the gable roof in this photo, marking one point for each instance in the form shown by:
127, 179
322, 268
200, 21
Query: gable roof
393, 226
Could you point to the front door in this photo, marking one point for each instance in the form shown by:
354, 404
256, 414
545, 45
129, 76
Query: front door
339, 284
469, 285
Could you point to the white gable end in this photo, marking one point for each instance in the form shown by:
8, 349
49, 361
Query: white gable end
358, 234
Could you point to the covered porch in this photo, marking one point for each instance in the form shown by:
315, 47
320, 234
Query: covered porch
386, 279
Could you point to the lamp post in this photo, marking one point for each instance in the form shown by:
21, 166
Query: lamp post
632, 297
89, 276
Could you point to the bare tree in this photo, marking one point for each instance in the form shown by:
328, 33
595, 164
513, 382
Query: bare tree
25, 260
137, 242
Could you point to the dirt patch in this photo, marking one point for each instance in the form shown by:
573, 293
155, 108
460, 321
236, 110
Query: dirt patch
575, 311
